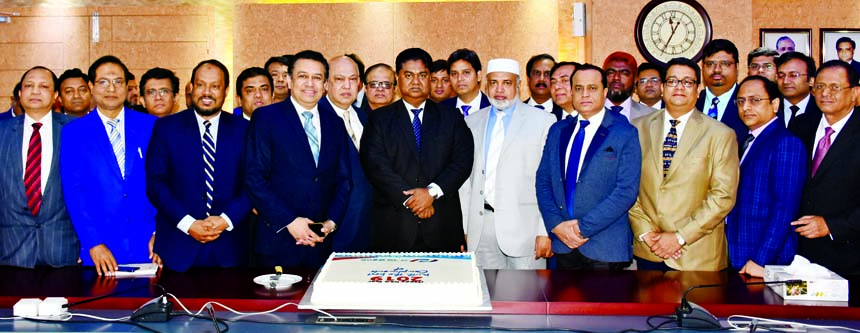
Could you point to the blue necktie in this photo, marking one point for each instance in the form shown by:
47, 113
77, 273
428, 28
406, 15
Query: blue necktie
311, 132
616, 108
540, 107
209, 164
466, 109
712, 112
573, 166
669, 146
416, 128
118, 145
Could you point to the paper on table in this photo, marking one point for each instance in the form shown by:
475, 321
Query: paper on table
144, 270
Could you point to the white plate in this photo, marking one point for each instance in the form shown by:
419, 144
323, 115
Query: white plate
284, 283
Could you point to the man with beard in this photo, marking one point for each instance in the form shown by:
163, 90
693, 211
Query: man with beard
620, 70
74, 93
559, 85
104, 179
538, 70
254, 89
464, 68
197, 154
649, 86
720, 73
588, 179
500, 219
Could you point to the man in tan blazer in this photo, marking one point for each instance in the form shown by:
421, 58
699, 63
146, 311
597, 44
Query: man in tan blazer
501, 219
689, 180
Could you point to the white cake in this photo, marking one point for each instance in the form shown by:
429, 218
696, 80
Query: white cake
398, 280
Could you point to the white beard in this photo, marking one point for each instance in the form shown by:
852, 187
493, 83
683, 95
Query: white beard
502, 105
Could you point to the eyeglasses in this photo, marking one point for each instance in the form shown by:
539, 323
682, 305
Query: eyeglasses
380, 84
685, 83
654, 80
755, 100
160, 92
755, 67
721, 63
104, 83
792, 75
821, 87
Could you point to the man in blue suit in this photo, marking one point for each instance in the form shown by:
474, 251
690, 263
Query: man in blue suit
297, 170
588, 178
254, 88
772, 173
720, 74
198, 154
35, 228
15, 108
344, 80
464, 71
103, 174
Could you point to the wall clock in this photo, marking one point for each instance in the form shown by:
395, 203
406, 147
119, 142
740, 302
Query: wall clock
667, 29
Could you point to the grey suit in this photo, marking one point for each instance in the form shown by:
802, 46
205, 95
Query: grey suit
25, 240
639, 110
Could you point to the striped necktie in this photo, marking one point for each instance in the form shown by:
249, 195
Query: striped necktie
311, 132
669, 146
209, 165
118, 145
33, 172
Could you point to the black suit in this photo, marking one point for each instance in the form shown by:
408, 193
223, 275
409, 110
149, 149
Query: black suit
811, 109
832, 193
392, 164
730, 117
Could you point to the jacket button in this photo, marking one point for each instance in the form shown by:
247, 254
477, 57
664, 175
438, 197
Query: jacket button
38, 226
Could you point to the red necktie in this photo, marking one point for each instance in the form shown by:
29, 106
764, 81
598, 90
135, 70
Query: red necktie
33, 173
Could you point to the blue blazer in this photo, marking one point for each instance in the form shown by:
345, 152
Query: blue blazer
105, 208
354, 233
452, 103
24, 239
608, 186
730, 116
176, 187
771, 181
283, 183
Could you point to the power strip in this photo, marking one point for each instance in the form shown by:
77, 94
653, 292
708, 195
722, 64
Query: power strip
50, 307
348, 320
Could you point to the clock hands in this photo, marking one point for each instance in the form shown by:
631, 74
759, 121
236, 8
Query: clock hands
674, 26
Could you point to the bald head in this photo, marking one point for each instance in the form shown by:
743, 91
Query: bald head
344, 81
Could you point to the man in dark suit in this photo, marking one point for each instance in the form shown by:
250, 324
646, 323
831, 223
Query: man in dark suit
159, 88
297, 174
342, 86
464, 71
772, 171
538, 71
559, 85
795, 74
15, 100
830, 205
588, 179
197, 154
416, 155
720, 74
254, 88
845, 47
103, 174
36, 228
621, 73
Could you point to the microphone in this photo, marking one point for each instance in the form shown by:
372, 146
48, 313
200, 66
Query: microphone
691, 315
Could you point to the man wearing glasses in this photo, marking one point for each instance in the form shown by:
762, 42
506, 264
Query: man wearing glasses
761, 62
717, 100
829, 206
159, 88
380, 86
649, 86
688, 183
416, 154
795, 74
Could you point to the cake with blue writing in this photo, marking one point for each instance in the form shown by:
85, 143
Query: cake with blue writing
388, 280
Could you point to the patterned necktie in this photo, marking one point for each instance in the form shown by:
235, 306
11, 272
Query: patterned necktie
712, 112
348, 122
794, 109
570, 175
494, 151
465, 109
118, 145
33, 171
416, 128
616, 108
747, 141
821, 149
209, 165
669, 146
311, 132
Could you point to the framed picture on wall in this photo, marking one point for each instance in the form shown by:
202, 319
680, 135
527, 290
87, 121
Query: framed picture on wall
840, 44
786, 40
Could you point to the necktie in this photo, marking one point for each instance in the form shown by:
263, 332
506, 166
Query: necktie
669, 146
821, 149
209, 165
33, 171
794, 109
311, 132
573, 166
747, 142
497, 138
348, 123
416, 128
712, 112
118, 145
540, 107
569, 116
616, 108
465, 109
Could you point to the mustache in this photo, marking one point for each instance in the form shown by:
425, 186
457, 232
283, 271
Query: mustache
540, 85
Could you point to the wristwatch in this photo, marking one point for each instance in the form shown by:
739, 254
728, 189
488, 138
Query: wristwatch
681, 240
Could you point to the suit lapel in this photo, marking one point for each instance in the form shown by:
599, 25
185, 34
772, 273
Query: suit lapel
133, 149
597, 140
429, 126
294, 124
102, 141
57, 123
847, 137
760, 141
404, 121
656, 129
516, 125
16, 162
566, 134
195, 144
692, 131
481, 137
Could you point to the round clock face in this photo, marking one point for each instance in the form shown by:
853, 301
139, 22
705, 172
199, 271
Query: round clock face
671, 29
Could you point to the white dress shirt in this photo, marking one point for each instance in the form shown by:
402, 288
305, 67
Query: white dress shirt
435, 190
724, 101
786, 110
626, 106
354, 122
475, 104
593, 123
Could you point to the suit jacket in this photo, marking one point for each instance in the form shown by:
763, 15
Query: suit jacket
25, 238
284, 183
176, 186
696, 194
557, 111
354, 233
771, 179
7, 115
517, 218
856, 65
452, 103
730, 116
832, 194
393, 164
811, 108
606, 189
639, 110
105, 207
